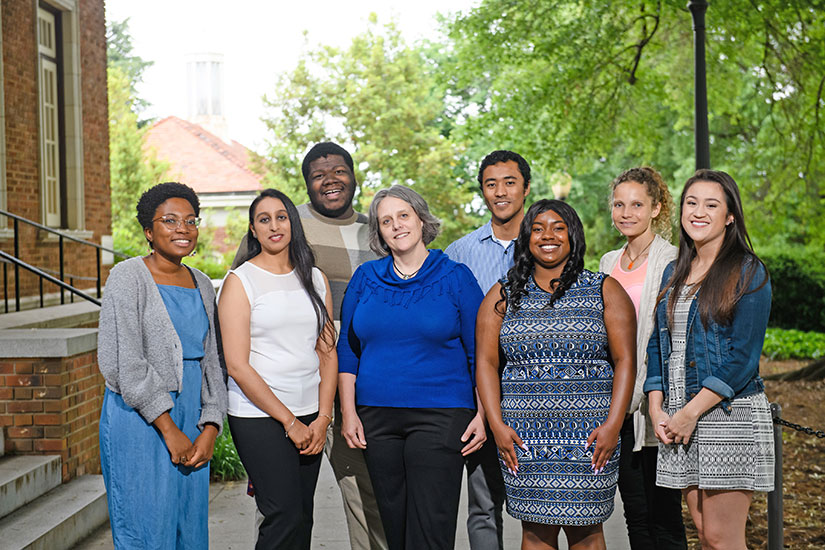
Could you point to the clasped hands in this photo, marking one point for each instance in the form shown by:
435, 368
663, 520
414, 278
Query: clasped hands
182, 451
310, 439
673, 429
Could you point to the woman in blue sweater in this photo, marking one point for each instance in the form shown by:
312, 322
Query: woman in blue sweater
406, 364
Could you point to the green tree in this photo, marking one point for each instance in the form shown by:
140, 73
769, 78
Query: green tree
593, 88
131, 169
119, 54
379, 97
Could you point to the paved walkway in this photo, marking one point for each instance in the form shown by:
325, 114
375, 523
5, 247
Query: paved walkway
232, 519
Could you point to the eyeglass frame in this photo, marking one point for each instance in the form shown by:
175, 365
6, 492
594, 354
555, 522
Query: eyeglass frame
180, 222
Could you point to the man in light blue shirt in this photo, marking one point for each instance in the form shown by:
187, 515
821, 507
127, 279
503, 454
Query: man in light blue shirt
504, 177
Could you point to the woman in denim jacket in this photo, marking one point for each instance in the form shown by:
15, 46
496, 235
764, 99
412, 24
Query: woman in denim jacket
707, 402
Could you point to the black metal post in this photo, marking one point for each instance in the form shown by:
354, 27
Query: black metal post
97, 255
40, 284
16, 268
60, 248
776, 513
71, 283
6, 286
697, 10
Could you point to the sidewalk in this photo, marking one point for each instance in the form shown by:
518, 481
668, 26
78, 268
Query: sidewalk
232, 519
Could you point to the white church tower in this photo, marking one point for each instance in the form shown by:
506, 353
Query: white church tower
205, 106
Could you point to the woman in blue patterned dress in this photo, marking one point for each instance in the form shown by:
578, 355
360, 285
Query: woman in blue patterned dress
568, 336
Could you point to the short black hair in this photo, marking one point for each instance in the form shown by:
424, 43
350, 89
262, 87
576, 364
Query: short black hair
324, 149
160, 193
505, 156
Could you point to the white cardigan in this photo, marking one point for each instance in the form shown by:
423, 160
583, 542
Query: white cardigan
660, 255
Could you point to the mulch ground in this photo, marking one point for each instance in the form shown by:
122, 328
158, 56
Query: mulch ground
803, 469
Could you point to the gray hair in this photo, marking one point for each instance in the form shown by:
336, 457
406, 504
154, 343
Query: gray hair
431, 224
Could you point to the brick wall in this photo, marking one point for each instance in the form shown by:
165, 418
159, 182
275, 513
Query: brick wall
52, 406
22, 146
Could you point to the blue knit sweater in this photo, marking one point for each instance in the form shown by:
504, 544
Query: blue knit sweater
411, 343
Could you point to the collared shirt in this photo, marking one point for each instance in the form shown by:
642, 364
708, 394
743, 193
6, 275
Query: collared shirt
487, 259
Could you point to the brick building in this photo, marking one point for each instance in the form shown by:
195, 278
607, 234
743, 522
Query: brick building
54, 170
54, 140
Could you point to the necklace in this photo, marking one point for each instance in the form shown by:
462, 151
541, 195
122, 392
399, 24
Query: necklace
632, 260
403, 275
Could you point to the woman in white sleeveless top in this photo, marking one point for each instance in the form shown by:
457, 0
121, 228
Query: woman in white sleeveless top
279, 344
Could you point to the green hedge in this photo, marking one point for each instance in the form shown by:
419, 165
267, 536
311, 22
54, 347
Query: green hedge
798, 284
226, 464
793, 344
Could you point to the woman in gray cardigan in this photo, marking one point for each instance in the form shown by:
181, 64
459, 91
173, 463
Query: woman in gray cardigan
640, 205
165, 393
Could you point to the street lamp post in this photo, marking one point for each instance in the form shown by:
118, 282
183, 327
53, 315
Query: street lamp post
697, 10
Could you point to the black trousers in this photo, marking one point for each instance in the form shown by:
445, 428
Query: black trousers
284, 481
653, 514
415, 464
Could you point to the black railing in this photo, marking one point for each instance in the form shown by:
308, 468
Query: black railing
15, 260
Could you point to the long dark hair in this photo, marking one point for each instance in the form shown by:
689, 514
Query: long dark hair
300, 256
524, 263
723, 285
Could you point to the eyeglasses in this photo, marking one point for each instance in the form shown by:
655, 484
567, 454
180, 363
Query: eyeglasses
171, 222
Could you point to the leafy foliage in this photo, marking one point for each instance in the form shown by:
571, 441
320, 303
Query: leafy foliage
793, 344
594, 88
380, 98
226, 464
798, 286
119, 55
131, 170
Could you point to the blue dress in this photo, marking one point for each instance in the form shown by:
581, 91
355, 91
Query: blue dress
154, 504
556, 388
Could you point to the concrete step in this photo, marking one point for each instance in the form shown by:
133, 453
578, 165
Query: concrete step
78, 314
24, 478
58, 519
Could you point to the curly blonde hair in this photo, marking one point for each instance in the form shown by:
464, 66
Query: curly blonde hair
658, 192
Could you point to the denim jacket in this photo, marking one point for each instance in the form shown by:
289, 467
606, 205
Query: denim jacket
722, 358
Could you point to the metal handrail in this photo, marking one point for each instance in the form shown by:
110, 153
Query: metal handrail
61, 234
59, 281
44, 275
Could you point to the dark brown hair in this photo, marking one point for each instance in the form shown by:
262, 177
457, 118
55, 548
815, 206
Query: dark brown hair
724, 284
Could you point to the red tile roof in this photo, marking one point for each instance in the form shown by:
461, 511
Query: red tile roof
202, 160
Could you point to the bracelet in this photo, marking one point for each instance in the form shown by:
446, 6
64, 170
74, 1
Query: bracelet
286, 432
326, 416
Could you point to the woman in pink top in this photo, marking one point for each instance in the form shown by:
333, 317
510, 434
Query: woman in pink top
641, 206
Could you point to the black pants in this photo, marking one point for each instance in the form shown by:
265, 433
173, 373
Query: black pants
284, 481
653, 514
415, 464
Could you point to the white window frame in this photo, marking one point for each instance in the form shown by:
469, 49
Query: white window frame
72, 112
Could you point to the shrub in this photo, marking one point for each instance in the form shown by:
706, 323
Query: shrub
226, 464
798, 284
793, 344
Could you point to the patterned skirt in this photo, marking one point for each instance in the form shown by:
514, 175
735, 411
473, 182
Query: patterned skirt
727, 450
